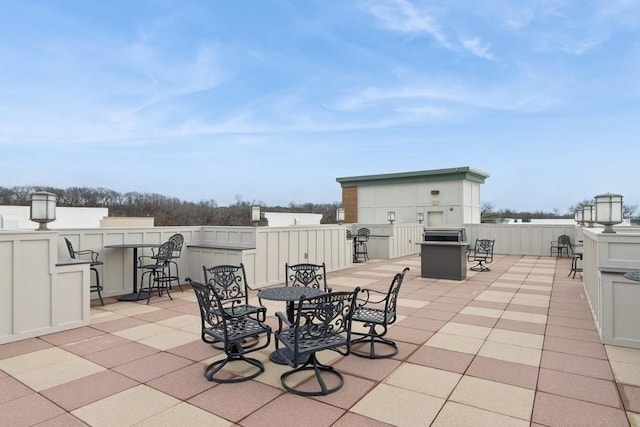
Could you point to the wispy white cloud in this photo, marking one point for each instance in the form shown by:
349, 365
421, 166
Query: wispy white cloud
477, 48
579, 46
404, 17
512, 96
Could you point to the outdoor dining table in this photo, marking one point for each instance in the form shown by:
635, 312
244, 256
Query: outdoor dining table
135, 295
290, 294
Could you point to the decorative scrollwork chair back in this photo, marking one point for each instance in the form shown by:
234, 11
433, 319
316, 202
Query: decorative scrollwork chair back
232, 330
230, 284
93, 256
307, 275
482, 253
376, 310
320, 323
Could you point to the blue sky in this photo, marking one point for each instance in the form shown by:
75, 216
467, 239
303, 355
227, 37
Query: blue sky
271, 100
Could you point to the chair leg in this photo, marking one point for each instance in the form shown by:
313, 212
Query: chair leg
312, 364
151, 278
177, 276
162, 283
212, 369
372, 339
480, 266
97, 287
142, 288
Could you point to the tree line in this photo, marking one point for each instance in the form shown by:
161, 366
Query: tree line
167, 211
488, 212
171, 211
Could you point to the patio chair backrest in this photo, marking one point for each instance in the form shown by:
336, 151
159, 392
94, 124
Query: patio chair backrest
72, 253
228, 281
163, 253
324, 322
363, 234
392, 295
307, 275
208, 302
564, 240
178, 241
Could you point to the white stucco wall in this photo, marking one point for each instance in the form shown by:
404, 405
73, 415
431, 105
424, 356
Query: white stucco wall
17, 218
456, 202
284, 219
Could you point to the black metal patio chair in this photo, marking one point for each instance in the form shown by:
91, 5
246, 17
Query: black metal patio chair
156, 269
563, 244
482, 253
93, 256
377, 311
362, 238
230, 283
320, 323
221, 325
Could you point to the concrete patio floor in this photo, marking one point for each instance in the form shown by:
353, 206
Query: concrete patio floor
515, 346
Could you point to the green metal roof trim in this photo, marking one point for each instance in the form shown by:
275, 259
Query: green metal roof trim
435, 175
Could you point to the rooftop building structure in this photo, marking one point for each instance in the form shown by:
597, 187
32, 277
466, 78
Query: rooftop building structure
442, 197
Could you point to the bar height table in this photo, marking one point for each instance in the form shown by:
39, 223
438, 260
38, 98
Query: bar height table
135, 295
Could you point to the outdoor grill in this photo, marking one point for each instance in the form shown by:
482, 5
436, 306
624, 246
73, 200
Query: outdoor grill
443, 253
445, 235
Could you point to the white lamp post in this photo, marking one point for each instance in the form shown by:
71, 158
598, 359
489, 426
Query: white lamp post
43, 208
589, 212
391, 216
579, 216
420, 217
340, 215
255, 214
608, 210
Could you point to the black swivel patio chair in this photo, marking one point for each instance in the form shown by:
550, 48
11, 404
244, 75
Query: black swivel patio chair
482, 253
563, 244
320, 323
230, 283
377, 311
156, 269
92, 265
220, 325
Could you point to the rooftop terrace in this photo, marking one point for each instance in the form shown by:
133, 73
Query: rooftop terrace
515, 346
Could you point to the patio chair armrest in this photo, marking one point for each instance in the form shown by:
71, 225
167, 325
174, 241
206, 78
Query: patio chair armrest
282, 320
230, 315
141, 260
93, 254
369, 293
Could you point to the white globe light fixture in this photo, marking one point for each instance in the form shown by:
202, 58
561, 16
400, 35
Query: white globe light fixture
608, 211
